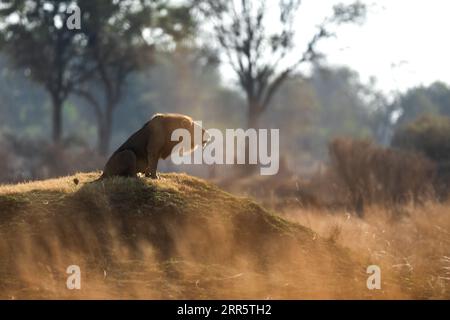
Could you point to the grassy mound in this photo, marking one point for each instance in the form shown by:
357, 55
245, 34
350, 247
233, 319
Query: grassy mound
177, 237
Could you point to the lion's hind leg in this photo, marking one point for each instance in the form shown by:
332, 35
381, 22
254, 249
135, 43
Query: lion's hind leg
121, 164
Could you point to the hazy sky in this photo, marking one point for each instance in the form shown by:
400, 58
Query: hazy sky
403, 43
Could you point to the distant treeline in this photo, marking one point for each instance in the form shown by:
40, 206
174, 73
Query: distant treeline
310, 111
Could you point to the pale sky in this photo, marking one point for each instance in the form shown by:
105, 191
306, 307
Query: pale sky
403, 43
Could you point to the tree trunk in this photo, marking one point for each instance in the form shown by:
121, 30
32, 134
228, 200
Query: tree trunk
105, 131
253, 122
57, 120
253, 118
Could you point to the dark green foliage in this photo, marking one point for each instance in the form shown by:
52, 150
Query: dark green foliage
429, 134
416, 102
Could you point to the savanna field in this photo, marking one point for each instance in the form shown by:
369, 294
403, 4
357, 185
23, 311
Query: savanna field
181, 237
314, 139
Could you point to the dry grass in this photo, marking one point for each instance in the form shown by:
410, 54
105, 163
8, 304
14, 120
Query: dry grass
412, 247
178, 237
181, 237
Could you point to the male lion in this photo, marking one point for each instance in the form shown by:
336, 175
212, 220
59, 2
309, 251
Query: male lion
141, 152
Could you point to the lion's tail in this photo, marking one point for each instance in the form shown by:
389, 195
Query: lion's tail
76, 181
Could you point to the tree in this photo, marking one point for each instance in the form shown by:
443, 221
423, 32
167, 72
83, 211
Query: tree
34, 36
261, 56
312, 110
409, 106
115, 39
121, 39
434, 99
429, 135
22, 103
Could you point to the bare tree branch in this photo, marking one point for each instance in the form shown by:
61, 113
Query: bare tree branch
256, 54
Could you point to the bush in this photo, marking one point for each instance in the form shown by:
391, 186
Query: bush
374, 175
430, 136
24, 159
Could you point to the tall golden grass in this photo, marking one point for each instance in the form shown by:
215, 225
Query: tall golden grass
178, 237
412, 247
181, 237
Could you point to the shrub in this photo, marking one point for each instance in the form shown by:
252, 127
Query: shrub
24, 159
430, 136
371, 174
